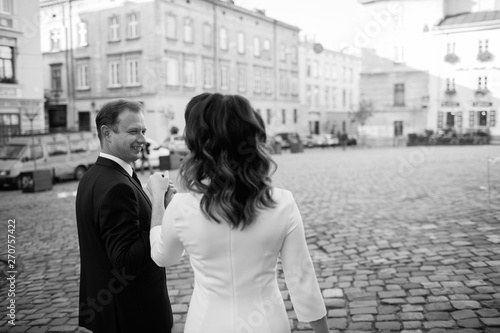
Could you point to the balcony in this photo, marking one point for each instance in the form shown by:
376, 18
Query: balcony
485, 56
451, 58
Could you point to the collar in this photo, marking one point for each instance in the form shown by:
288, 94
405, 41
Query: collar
121, 162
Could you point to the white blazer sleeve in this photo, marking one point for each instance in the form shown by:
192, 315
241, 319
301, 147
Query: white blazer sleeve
299, 271
166, 248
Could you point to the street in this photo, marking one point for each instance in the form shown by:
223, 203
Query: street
403, 240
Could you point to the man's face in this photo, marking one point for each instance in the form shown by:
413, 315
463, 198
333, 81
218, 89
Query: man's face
129, 140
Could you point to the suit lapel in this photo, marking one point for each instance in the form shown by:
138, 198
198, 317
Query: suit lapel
109, 163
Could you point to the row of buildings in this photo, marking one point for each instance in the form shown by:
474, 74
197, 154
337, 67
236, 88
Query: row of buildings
425, 64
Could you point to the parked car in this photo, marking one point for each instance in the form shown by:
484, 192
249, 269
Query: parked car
155, 151
176, 144
67, 155
288, 138
312, 140
329, 140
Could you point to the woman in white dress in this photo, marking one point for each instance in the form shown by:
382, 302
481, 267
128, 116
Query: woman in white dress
234, 225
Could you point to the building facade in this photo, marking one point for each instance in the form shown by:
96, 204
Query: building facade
466, 84
395, 75
162, 53
21, 83
329, 83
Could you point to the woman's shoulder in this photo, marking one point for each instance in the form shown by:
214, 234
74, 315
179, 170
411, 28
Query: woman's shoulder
282, 195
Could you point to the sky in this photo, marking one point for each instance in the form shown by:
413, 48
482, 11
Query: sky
333, 23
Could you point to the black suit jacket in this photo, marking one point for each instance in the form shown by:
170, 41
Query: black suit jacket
121, 288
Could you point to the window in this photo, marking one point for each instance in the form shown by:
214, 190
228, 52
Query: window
283, 83
55, 40
82, 76
258, 79
189, 73
295, 84
133, 26
114, 29
399, 54
282, 53
295, 116
207, 34
9, 125
114, 75
334, 72
399, 94
6, 6
208, 75
295, 54
224, 77
283, 116
171, 26
172, 71
241, 43
327, 96
483, 118
308, 69
268, 114
308, 94
315, 69
57, 148
267, 45
256, 46
450, 119
6, 64
334, 98
316, 95
242, 79
398, 128
82, 34
450, 48
483, 45
223, 39
351, 75
133, 72
344, 98
55, 74
268, 81
450, 84
188, 30
482, 83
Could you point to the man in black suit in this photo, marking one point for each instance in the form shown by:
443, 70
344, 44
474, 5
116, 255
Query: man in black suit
121, 288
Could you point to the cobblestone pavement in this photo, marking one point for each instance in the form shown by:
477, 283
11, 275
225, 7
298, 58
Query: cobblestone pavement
403, 240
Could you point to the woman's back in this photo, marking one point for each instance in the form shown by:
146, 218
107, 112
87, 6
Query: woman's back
236, 289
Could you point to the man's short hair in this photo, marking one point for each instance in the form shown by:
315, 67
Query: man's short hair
109, 113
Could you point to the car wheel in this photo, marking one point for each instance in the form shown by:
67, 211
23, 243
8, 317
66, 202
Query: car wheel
79, 172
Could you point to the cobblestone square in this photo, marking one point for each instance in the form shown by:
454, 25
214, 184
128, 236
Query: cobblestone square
403, 240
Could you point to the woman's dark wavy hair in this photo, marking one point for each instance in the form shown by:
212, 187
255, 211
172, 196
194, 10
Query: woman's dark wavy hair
228, 162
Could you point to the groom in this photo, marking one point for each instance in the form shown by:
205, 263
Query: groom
121, 289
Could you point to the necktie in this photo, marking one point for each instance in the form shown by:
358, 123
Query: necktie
134, 175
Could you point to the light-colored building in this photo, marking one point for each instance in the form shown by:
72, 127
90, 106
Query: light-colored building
21, 83
395, 66
162, 53
465, 89
329, 89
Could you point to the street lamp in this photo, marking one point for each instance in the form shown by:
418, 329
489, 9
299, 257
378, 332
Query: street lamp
31, 113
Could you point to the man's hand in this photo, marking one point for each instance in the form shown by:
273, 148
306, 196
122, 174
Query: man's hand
158, 185
162, 190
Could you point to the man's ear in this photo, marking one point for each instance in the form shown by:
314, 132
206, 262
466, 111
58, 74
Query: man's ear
105, 132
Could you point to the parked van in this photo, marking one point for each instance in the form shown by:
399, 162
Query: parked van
68, 155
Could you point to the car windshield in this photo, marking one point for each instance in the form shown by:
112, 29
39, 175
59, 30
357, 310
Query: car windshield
11, 152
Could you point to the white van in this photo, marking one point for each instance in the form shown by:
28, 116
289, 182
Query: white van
68, 155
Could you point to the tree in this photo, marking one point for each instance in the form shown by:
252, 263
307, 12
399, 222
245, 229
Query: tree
365, 111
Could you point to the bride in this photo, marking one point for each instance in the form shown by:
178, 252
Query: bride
235, 225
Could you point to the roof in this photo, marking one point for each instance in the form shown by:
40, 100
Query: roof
467, 18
